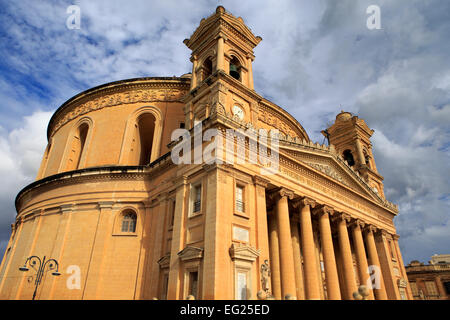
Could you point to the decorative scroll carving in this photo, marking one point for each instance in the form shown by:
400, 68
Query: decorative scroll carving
281, 192
370, 228
304, 201
358, 223
322, 209
342, 216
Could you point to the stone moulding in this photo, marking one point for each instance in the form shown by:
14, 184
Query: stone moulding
144, 90
243, 253
164, 262
191, 253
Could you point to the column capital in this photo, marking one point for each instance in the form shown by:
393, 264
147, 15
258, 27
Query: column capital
395, 236
281, 192
341, 216
384, 233
304, 201
105, 204
357, 223
322, 209
259, 181
222, 35
370, 228
180, 181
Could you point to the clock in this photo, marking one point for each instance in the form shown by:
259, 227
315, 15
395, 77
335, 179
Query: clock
238, 111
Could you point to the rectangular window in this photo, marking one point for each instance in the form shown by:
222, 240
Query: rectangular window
125, 226
447, 287
197, 198
240, 204
241, 285
165, 286
431, 288
414, 290
193, 284
392, 249
172, 213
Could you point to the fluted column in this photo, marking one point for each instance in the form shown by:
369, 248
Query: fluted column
329, 259
287, 268
312, 291
274, 257
346, 252
380, 293
297, 260
361, 259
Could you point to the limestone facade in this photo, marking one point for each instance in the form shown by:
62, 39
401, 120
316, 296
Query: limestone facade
109, 199
430, 281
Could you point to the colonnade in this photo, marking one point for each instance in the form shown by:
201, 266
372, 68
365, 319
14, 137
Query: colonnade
304, 267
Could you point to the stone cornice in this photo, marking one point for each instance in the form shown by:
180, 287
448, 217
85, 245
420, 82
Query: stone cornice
96, 173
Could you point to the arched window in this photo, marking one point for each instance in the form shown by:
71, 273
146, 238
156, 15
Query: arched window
129, 221
78, 143
207, 68
235, 68
142, 143
348, 156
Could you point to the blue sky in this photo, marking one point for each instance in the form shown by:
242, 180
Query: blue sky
316, 58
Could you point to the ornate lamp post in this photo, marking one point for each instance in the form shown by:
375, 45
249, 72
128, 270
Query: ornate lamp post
39, 265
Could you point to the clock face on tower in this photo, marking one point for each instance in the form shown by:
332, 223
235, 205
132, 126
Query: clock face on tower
238, 111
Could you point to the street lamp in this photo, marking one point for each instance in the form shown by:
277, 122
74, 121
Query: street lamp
39, 265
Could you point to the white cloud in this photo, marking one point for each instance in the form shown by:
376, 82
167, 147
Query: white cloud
314, 57
21, 151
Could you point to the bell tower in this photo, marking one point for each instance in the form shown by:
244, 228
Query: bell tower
351, 138
222, 50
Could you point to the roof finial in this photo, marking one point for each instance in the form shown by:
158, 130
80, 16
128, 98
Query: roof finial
220, 10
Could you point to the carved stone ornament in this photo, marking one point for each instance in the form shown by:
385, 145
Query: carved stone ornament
304, 201
281, 192
246, 253
191, 253
402, 283
164, 262
322, 209
265, 275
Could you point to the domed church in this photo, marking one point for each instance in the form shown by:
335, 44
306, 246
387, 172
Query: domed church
112, 215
